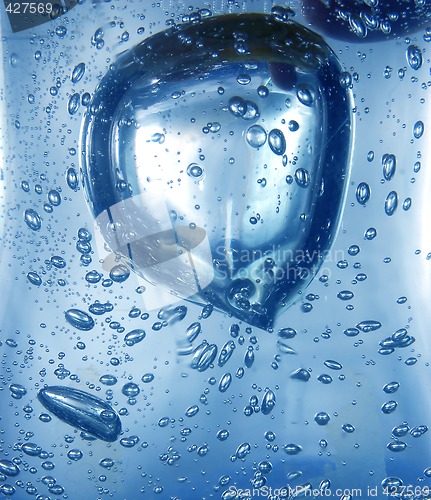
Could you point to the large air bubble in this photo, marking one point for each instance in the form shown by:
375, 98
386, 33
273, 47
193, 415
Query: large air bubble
229, 231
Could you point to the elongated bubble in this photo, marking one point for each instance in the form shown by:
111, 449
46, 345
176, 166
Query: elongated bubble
82, 410
8, 468
78, 72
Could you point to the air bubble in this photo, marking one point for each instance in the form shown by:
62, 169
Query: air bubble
108, 380
81, 410
345, 79
134, 337
302, 177
370, 233
75, 455
357, 26
78, 72
292, 449
397, 446
8, 468
321, 418
32, 219
293, 125
418, 129
256, 136
363, 193
79, 319
333, 365
72, 179
130, 389
237, 106
414, 57
225, 382
128, 102
195, 171
305, 95
389, 163
243, 79
389, 407
391, 203
34, 278
119, 273
262, 91
407, 204
54, 197
73, 104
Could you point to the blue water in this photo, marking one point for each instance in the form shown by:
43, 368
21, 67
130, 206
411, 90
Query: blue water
215, 257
